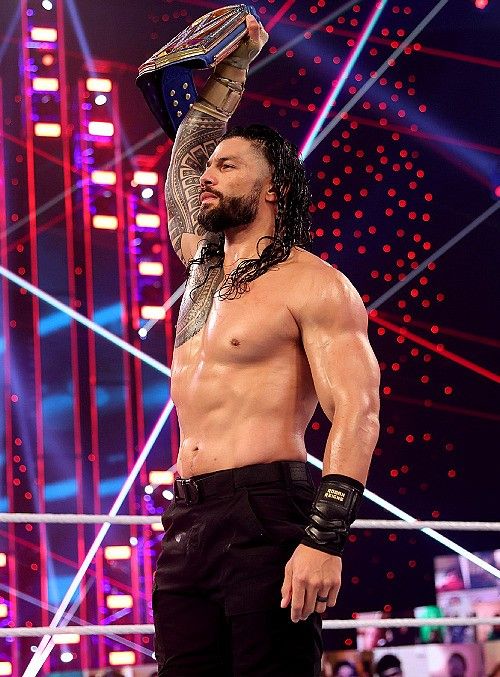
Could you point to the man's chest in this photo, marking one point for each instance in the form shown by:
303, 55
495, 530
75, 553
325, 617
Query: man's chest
243, 329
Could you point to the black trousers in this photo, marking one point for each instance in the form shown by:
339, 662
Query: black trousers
217, 589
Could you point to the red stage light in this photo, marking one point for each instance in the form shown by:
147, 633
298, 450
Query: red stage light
116, 552
147, 220
97, 128
104, 178
47, 129
119, 601
66, 639
142, 178
45, 84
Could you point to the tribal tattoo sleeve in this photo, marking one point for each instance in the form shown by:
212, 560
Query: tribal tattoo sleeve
196, 140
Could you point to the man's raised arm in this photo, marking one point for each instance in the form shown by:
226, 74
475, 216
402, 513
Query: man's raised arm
197, 137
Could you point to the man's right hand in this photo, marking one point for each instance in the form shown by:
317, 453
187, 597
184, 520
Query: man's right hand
250, 46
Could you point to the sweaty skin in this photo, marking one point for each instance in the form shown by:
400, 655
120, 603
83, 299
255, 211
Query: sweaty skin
247, 373
242, 385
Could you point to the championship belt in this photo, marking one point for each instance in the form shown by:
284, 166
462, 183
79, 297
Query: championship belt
166, 78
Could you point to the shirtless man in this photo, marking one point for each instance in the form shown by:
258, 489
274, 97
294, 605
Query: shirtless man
252, 553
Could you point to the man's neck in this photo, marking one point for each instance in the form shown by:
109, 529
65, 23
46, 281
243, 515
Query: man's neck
240, 244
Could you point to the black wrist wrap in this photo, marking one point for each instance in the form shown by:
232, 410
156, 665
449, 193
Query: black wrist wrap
333, 511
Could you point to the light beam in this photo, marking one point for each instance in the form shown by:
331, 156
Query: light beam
390, 60
101, 331
434, 257
344, 74
46, 644
375, 498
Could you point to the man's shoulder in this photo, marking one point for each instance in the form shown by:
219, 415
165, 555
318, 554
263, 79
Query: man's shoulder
316, 287
308, 269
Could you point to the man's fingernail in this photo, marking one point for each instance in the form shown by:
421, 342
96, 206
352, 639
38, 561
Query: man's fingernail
282, 603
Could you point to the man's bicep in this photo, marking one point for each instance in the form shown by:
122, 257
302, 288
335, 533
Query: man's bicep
354, 374
344, 369
334, 333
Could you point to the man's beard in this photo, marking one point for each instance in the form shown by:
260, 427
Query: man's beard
231, 212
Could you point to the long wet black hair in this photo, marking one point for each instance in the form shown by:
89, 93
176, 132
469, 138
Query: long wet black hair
293, 220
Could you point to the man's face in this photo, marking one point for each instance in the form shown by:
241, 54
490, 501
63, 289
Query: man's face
233, 186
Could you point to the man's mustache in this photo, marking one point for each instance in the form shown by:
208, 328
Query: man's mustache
211, 192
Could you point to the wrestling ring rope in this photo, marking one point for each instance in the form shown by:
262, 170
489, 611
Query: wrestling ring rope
148, 629
70, 518
342, 624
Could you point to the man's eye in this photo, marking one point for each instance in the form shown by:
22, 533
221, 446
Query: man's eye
226, 166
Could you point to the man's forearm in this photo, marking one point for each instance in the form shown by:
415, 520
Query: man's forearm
345, 468
201, 131
351, 442
222, 92
196, 139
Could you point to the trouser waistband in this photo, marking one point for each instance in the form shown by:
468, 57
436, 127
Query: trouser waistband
226, 482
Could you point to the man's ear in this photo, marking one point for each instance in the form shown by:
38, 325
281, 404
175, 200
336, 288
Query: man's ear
271, 195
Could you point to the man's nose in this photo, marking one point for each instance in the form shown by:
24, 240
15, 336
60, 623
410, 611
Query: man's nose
206, 179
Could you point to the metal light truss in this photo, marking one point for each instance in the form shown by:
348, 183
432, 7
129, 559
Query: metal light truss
146, 215
147, 235
112, 242
88, 259
104, 246
43, 124
7, 571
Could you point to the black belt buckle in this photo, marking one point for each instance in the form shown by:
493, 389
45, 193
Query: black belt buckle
187, 489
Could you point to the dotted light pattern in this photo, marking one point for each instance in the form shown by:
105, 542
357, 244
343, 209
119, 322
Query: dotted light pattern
373, 216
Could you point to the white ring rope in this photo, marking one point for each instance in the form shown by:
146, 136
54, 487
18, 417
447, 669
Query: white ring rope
408, 622
69, 518
148, 629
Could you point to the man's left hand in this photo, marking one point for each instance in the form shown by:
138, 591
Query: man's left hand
310, 574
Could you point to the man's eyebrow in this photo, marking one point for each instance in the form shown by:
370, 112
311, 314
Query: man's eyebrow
223, 159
